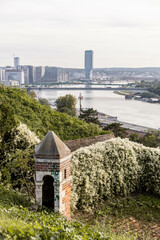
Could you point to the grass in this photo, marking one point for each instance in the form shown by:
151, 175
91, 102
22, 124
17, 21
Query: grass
141, 207
137, 217
19, 223
113, 220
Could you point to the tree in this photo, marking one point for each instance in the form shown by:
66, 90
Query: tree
16, 158
151, 139
32, 94
66, 104
44, 101
134, 137
116, 129
7, 119
90, 116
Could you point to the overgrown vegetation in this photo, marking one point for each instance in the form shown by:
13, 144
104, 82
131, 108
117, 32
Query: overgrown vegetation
112, 169
17, 105
138, 214
18, 222
16, 158
19, 114
142, 207
104, 175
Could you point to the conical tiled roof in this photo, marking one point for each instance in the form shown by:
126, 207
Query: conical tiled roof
51, 147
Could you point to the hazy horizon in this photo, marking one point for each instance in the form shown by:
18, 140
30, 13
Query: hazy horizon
57, 32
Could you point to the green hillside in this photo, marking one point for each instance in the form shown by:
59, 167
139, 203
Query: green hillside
113, 182
40, 118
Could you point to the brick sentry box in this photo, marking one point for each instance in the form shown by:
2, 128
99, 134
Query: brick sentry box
53, 174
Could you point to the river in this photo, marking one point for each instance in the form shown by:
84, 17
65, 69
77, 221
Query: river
132, 111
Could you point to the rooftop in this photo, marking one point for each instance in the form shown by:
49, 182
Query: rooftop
51, 147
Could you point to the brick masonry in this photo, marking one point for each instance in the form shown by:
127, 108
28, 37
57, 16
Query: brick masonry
53, 174
65, 169
61, 173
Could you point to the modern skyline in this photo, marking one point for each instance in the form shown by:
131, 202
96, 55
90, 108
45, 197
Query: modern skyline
56, 32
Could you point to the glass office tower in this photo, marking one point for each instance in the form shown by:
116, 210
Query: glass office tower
88, 64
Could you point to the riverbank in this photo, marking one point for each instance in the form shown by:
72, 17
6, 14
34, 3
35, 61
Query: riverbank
138, 97
142, 130
137, 112
126, 93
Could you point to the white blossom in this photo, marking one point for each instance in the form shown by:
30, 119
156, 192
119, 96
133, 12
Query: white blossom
116, 167
23, 135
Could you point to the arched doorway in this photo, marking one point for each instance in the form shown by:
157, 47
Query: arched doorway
48, 192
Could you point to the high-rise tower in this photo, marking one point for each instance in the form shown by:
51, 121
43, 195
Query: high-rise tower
16, 62
88, 64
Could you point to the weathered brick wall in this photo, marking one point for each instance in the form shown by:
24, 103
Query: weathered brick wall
66, 165
45, 166
62, 183
83, 142
66, 187
67, 198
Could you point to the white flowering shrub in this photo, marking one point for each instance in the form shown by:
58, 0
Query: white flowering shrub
117, 167
23, 137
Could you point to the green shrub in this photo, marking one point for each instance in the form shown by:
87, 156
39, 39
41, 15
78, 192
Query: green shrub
10, 197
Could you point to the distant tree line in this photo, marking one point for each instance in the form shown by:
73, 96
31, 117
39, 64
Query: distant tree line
152, 86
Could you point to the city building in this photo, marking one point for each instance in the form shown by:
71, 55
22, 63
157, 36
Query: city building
39, 73
50, 75
2, 75
76, 74
26, 74
88, 64
63, 75
14, 77
54, 75
16, 62
31, 74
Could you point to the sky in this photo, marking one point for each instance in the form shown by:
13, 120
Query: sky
122, 33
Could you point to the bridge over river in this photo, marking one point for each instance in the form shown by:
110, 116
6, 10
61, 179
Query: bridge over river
88, 88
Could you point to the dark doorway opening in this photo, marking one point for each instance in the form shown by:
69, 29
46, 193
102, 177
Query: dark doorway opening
48, 192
